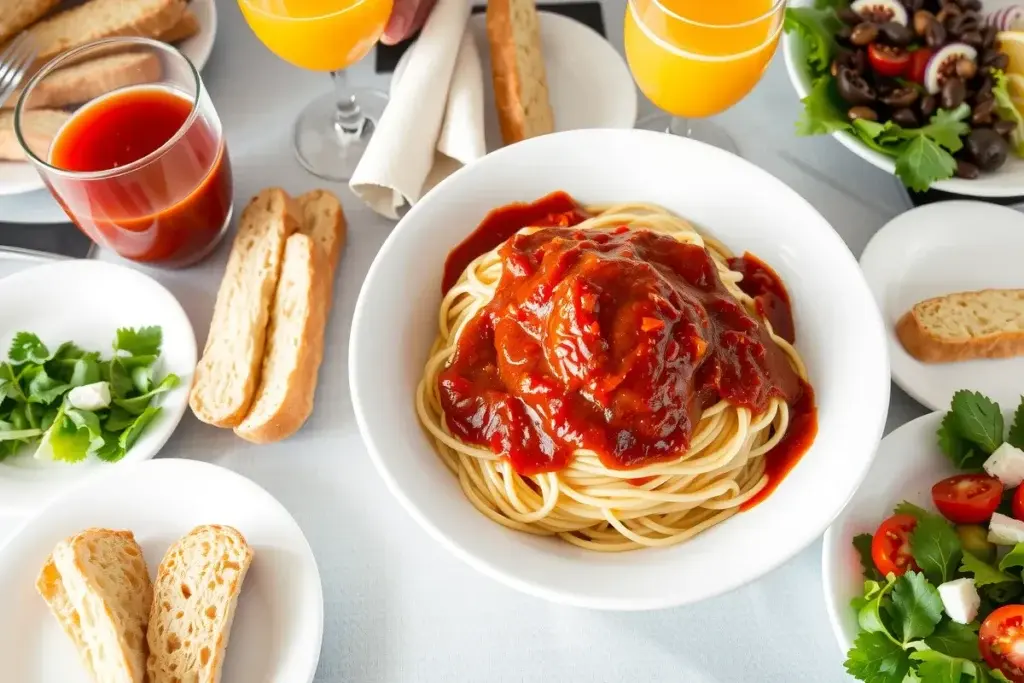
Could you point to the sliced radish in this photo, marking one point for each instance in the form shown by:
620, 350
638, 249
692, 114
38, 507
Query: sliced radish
1006, 18
880, 11
943, 64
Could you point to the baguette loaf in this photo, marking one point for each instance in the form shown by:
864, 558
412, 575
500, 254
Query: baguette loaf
82, 82
324, 221
40, 127
965, 326
518, 72
196, 592
186, 27
226, 378
16, 15
97, 585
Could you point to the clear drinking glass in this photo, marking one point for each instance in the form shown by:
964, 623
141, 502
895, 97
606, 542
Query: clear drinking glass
139, 164
697, 58
332, 132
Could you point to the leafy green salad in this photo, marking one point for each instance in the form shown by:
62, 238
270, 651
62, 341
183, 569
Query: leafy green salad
943, 598
70, 403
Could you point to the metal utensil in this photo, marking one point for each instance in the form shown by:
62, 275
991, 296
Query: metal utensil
15, 62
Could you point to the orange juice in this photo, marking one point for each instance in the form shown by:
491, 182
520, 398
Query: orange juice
696, 58
322, 35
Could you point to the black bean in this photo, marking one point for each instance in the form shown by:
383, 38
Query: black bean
989, 36
987, 148
896, 34
843, 35
973, 5
899, 97
966, 170
913, 5
864, 33
905, 117
862, 112
935, 34
1000, 61
973, 38
853, 88
948, 11
953, 93
928, 106
1004, 128
848, 16
982, 114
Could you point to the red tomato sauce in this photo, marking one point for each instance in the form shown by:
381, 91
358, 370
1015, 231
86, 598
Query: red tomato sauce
770, 297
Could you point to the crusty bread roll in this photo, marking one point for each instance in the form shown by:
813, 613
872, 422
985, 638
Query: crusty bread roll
16, 15
187, 26
965, 326
517, 64
195, 596
40, 127
97, 585
85, 81
227, 375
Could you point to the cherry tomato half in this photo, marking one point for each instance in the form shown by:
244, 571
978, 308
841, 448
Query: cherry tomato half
1018, 503
918, 64
1001, 640
890, 546
968, 498
888, 61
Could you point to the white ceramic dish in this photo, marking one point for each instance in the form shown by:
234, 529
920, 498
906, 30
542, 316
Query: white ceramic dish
19, 177
839, 332
940, 249
907, 466
1008, 181
588, 81
86, 302
278, 626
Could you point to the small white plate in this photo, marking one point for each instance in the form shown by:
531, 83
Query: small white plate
86, 302
278, 627
17, 177
939, 249
907, 465
589, 83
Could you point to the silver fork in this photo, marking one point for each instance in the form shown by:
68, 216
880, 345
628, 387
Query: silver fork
15, 63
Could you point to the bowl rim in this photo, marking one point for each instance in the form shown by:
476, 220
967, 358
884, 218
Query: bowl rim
882, 389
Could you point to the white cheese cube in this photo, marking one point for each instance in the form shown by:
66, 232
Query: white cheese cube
90, 396
1007, 465
960, 599
1003, 530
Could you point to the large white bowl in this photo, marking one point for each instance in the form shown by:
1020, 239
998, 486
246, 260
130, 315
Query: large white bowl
1008, 181
839, 333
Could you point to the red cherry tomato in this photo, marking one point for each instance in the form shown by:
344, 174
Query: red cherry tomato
968, 498
1018, 503
918, 64
888, 61
1001, 640
890, 546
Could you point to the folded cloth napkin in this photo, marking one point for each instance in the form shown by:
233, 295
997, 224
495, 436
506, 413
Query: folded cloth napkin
434, 121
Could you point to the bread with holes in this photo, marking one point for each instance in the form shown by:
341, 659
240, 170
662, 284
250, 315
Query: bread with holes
187, 26
195, 596
85, 81
16, 15
97, 586
225, 380
965, 326
39, 126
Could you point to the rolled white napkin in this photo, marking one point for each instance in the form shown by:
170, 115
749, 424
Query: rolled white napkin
434, 121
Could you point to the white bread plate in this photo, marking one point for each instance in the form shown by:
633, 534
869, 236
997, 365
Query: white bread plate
17, 177
838, 330
1008, 181
278, 624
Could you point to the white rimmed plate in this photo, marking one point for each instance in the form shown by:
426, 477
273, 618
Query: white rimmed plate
589, 84
1008, 181
278, 626
17, 177
86, 302
939, 249
906, 467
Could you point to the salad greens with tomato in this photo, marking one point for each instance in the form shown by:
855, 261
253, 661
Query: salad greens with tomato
943, 597
71, 404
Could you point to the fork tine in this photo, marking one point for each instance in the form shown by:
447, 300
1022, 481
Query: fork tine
15, 64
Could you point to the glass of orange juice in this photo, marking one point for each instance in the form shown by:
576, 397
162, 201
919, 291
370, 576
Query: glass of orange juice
326, 35
696, 58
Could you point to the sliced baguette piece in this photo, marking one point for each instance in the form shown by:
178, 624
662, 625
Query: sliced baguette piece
195, 596
16, 15
84, 81
41, 126
226, 378
323, 219
517, 70
97, 585
186, 27
965, 326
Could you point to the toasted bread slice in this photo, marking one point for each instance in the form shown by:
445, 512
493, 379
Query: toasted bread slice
16, 15
186, 27
84, 81
965, 326
324, 220
41, 126
517, 66
195, 596
97, 585
226, 378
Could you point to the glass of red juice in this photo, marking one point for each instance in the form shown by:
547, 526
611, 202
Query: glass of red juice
140, 164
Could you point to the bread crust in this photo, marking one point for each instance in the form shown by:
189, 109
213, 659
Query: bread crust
85, 81
187, 26
982, 310
41, 125
16, 15
928, 348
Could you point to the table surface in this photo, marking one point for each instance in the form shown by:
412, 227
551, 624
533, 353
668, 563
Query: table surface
399, 608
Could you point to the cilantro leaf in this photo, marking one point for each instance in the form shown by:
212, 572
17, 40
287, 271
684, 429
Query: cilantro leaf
27, 348
922, 162
86, 370
144, 341
9, 384
875, 658
1007, 111
916, 607
1013, 559
983, 573
956, 447
822, 114
936, 667
136, 405
955, 640
115, 372
978, 419
816, 29
87, 420
1016, 435
42, 388
946, 127
934, 544
862, 543
870, 606
130, 435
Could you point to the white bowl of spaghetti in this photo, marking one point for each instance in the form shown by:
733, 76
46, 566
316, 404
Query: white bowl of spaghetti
605, 408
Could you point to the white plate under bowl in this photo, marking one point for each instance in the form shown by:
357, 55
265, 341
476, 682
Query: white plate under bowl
589, 84
908, 464
1008, 181
939, 249
17, 177
86, 302
839, 334
278, 626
